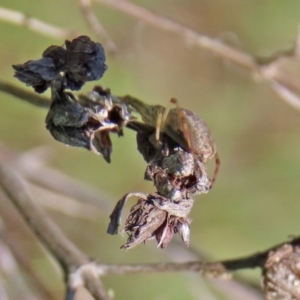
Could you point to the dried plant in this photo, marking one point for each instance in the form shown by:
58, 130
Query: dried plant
175, 144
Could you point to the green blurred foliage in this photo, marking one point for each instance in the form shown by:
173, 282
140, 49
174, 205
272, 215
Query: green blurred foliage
255, 202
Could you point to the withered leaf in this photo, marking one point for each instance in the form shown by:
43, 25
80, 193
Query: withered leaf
85, 61
36, 73
86, 122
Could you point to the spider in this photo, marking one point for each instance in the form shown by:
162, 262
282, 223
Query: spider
181, 125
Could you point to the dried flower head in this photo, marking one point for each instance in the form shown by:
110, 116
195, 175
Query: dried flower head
80, 61
86, 121
153, 216
281, 277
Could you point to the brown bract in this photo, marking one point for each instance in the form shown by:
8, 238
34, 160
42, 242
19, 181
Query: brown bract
86, 121
153, 216
176, 176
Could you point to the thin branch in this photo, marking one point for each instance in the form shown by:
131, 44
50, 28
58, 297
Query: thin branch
67, 254
18, 18
12, 273
16, 249
214, 270
60, 247
92, 21
232, 289
25, 95
30, 166
190, 35
286, 94
220, 269
214, 46
65, 205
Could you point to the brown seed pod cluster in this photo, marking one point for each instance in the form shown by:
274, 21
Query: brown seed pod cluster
86, 121
176, 171
175, 143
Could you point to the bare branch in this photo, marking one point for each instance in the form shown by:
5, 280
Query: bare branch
92, 21
65, 205
244, 60
24, 263
32, 98
215, 47
213, 270
220, 269
189, 35
30, 166
66, 253
60, 247
11, 272
286, 94
36, 25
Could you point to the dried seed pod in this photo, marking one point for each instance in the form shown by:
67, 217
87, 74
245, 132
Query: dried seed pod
281, 275
152, 217
86, 121
83, 60
142, 223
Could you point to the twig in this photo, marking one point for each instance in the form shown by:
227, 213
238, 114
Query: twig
11, 272
65, 205
67, 254
92, 21
61, 248
18, 254
214, 270
190, 35
214, 46
286, 94
54, 180
232, 289
36, 25
220, 269
24, 95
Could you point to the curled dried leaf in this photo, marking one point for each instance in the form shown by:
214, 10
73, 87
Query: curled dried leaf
85, 61
153, 216
80, 61
86, 121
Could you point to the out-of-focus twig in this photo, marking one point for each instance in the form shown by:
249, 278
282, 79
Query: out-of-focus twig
19, 18
190, 35
232, 289
65, 205
288, 95
92, 21
25, 95
65, 252
217, 48
35, 171
24, 263
11, 272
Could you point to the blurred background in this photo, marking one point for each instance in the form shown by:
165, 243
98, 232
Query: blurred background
255, 201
